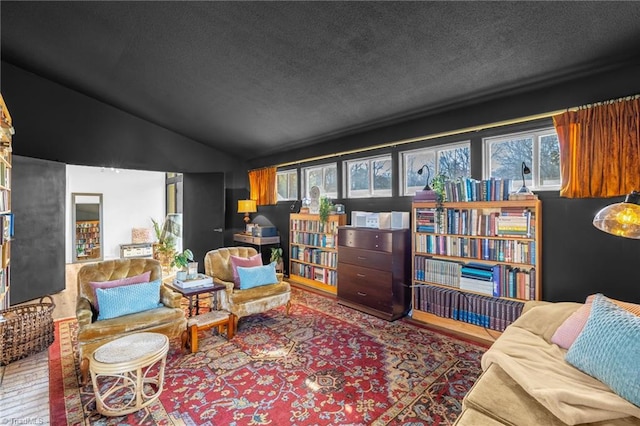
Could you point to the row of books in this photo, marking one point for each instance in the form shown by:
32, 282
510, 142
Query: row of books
506, 221
314, 239
4, 200
4, 175
6, 225
468, 189
514, 251
323, 275
492, 280
312, 255
483, 311
330, 227
4, 279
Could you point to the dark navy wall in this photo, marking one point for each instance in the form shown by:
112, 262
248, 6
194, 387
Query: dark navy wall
577, 259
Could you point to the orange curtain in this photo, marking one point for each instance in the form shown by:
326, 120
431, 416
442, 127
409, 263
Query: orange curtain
600, 149
262, 184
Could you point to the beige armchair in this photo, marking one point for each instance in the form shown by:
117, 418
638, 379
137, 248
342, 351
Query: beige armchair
217, 264
169, 320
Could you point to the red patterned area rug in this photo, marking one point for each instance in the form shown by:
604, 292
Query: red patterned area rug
324, 364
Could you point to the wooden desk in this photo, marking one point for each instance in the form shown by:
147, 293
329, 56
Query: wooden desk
256, 241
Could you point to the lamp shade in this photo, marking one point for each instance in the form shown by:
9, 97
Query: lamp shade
621, 219
247, 206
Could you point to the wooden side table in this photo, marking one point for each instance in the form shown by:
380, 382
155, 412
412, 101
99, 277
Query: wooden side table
126, 365
193, 295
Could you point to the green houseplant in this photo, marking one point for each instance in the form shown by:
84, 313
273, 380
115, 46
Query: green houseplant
325, 209
181, 261
165, 246
276, 256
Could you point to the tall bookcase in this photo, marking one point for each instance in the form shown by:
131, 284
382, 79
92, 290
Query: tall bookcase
87, 239
6, 217
475, 263
313, 250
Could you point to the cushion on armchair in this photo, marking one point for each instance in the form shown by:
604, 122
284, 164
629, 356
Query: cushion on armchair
136, 279
130, 299
257, 276
243, 262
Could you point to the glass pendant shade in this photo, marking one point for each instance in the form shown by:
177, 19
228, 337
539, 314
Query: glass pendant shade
621, 219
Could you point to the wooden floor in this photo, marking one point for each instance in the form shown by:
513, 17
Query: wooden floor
24, 384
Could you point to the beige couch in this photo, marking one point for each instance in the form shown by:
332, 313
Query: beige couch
217, 264
526, 380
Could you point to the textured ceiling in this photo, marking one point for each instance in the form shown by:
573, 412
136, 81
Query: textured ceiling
252, 78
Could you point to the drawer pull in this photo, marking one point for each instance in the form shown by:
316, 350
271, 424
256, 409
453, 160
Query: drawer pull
361, 293
361, 275
362, 258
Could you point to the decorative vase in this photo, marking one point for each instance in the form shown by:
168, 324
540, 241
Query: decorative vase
192, 271
181, 275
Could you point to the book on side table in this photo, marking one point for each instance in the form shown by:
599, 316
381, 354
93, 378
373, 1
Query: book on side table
201, 280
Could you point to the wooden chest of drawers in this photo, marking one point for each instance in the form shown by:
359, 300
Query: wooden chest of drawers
374, 271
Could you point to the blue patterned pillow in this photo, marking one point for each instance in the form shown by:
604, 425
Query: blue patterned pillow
608, 348
129, 299
257, 275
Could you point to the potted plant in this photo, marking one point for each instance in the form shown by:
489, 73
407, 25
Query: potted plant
276, 256
325, 209
437, 184
181, 261
164, 247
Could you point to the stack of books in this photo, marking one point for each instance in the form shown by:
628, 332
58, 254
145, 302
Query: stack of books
201, 280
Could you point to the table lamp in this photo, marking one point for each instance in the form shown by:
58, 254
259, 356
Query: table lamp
426, 187
621, 219
246, 207
525, 171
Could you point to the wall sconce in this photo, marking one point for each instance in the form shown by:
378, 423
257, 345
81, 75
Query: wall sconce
621, 219
246, 207
525, 171
426, 187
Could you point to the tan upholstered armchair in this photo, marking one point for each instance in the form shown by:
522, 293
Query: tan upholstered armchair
169, 319
217, 263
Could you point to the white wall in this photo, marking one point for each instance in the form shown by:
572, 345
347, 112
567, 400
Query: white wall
130, 198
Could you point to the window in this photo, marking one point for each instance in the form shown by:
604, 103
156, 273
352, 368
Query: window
368, 177
324, 177
451, 160
287, 183
503, 157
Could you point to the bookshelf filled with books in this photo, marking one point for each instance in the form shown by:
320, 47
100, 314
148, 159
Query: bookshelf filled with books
313, 250
87, 238
6, 217
475, 263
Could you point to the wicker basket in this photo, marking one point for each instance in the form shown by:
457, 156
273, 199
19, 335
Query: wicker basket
26, 330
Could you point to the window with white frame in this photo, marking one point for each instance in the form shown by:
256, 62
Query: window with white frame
539, 150
325, 177
368, 177
287, 183
452, 160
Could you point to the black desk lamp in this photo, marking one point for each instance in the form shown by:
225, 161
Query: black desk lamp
525, 171
426, 187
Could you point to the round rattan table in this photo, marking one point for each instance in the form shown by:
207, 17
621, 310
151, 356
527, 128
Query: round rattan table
128, 373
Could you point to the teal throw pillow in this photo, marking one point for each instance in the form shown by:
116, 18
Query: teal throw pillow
257, 275
608, 348
118, 301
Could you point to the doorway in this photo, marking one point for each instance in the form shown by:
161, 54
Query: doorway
87, 220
